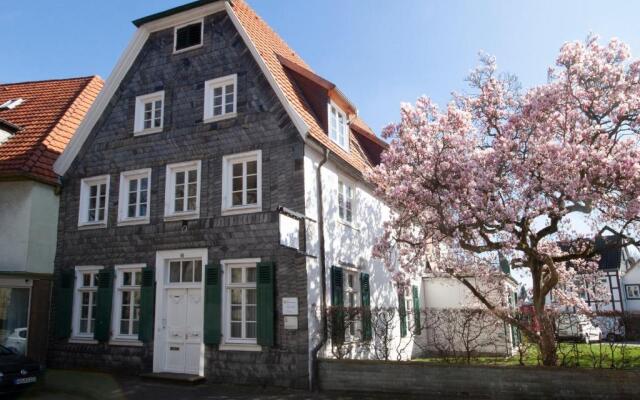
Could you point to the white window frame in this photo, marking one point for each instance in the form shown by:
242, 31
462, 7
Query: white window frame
123, 202
83, 209
344, 183
169, 203
138, 125
227, 342
628, 291
175, 36
335, 136
227, 183
212, 84
118, 288
355, 290
77, 297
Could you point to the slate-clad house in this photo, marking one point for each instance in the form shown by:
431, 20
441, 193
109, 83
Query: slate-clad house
37, 120
213, 200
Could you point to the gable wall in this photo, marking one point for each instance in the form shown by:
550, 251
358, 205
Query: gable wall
111, 148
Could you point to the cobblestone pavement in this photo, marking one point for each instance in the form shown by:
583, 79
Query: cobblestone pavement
74, 385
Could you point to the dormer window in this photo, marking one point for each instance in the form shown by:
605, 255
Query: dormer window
188, 36
338, 126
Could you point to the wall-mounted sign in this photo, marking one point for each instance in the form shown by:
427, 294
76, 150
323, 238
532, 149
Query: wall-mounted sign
289, 306
289, 232
290, 323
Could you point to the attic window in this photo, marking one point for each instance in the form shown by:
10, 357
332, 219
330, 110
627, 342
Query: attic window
11, 104
188, 36
338, 126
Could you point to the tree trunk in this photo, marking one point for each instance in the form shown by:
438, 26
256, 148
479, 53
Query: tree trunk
547, 344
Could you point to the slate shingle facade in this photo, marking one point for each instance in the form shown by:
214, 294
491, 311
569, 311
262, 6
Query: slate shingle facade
111, 148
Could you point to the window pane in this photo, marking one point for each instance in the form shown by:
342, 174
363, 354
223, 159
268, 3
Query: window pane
228, 89
251, 313
237, 184
124, 327
251, 330
217, 110
251, 296
191, 204
187, 271
179, 191
126, 278
236, 275
133, 185
236, 313
192, 190
251, 275
236, 199
252, 182
236, 296
193, 176
86, 279
143, 210
179, 177
252, 197
138, 278
228, 108
236, 329
252, 167
237, 169
197, 271
174, 271
217, 91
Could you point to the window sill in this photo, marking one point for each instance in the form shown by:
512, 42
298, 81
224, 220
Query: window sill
197, 46
92, 225
239, 347
149, 131
182, 217
241, 210
82, 340
207, 120
125, 342
132, 221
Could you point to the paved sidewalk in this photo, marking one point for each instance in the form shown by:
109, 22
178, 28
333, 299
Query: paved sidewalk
72, 385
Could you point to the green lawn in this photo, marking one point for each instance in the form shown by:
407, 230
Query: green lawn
595, 355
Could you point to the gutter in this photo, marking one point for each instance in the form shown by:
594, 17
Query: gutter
313, 359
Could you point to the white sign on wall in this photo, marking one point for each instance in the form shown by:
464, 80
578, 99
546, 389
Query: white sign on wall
289, 306
290, 323
289, 232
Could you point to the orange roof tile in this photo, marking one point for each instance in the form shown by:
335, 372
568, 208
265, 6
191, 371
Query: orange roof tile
270, 46
48, 118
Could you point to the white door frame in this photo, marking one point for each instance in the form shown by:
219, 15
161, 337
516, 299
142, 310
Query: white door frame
161, 303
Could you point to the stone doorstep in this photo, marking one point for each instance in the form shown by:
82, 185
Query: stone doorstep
186, 379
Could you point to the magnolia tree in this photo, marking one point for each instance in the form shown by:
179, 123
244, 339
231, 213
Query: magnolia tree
504, 171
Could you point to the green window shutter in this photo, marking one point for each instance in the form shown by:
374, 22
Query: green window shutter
416, 310
147, 303
64, 304
366, 306
337, 302
266, 303
104, 301
402, 311
213, 304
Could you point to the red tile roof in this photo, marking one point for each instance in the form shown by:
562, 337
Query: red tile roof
48, 118
271, 46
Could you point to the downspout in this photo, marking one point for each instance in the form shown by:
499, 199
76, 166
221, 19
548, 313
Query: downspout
313, 359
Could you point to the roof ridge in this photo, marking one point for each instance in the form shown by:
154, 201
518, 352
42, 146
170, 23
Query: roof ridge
77, 78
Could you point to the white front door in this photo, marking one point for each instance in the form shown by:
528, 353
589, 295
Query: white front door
184, 330
178, 339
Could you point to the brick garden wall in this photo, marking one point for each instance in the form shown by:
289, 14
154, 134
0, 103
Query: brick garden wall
478, 382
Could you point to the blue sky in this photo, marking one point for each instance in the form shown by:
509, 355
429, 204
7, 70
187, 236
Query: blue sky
379, 52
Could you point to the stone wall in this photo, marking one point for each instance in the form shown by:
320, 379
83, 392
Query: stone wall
111, 148
478, 382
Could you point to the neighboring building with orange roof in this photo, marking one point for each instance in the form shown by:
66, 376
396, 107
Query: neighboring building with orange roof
37, 120
214, 203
